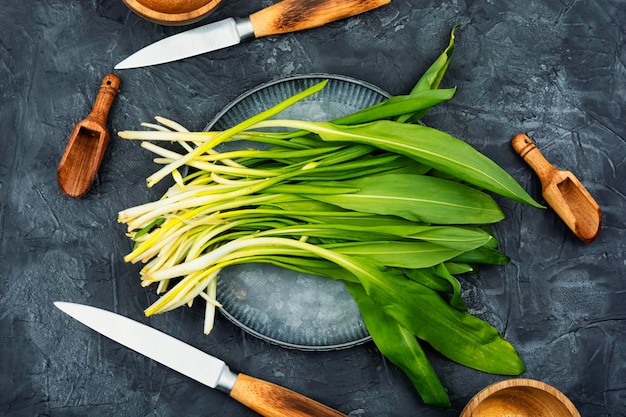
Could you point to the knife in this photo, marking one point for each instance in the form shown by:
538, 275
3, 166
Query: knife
265, 398
282, 17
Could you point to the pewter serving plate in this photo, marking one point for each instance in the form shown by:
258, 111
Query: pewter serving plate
278, 305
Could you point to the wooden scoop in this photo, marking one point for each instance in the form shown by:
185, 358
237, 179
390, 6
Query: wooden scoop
563, 192
89, 139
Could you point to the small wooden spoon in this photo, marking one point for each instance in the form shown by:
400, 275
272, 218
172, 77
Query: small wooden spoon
89, 139
563, 192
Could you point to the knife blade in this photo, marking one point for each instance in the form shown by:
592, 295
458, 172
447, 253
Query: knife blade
282, 17
267, 399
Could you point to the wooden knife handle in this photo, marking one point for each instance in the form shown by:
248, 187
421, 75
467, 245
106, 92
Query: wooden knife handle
294, 15
271, 400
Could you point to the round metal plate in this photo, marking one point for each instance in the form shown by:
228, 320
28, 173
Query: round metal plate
275, 304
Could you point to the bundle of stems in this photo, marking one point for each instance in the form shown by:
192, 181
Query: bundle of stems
390, 207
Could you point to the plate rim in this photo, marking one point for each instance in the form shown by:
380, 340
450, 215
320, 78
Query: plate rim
289, 78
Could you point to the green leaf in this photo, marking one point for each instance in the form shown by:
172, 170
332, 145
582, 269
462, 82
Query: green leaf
431, 79
325, 232
454, 237
397, 254
433, 75
456, 300
418, 198
312, 266
402, 348
307, 188
457, 268
398, 106
431, 147
439, 279
428, 278
483, 255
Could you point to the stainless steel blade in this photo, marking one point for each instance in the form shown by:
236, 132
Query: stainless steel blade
207, 38
154, 344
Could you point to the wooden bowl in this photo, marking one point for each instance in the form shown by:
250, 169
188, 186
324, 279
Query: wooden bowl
173, 12
520, 398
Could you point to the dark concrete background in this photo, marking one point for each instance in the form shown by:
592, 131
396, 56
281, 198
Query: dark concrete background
553, 69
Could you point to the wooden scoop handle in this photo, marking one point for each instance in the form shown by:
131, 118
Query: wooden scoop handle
106, 94
525, 147
271, 400
294, 15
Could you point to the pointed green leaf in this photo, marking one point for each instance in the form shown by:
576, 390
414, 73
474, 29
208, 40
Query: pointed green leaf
401, 347
397, 254
431, 147
398, 106
418, 198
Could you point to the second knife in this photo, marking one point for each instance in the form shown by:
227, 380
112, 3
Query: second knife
265, 398
282, 17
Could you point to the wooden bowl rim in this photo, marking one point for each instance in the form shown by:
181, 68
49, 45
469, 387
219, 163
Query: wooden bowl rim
182, 18
518, 382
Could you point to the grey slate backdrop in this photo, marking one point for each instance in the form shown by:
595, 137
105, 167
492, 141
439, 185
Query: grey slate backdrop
553, 69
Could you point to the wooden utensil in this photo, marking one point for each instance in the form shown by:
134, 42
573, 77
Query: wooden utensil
168, 12
87, 143
563, 192
521, 398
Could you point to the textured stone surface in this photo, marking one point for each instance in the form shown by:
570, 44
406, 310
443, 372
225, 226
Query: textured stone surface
553, 69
